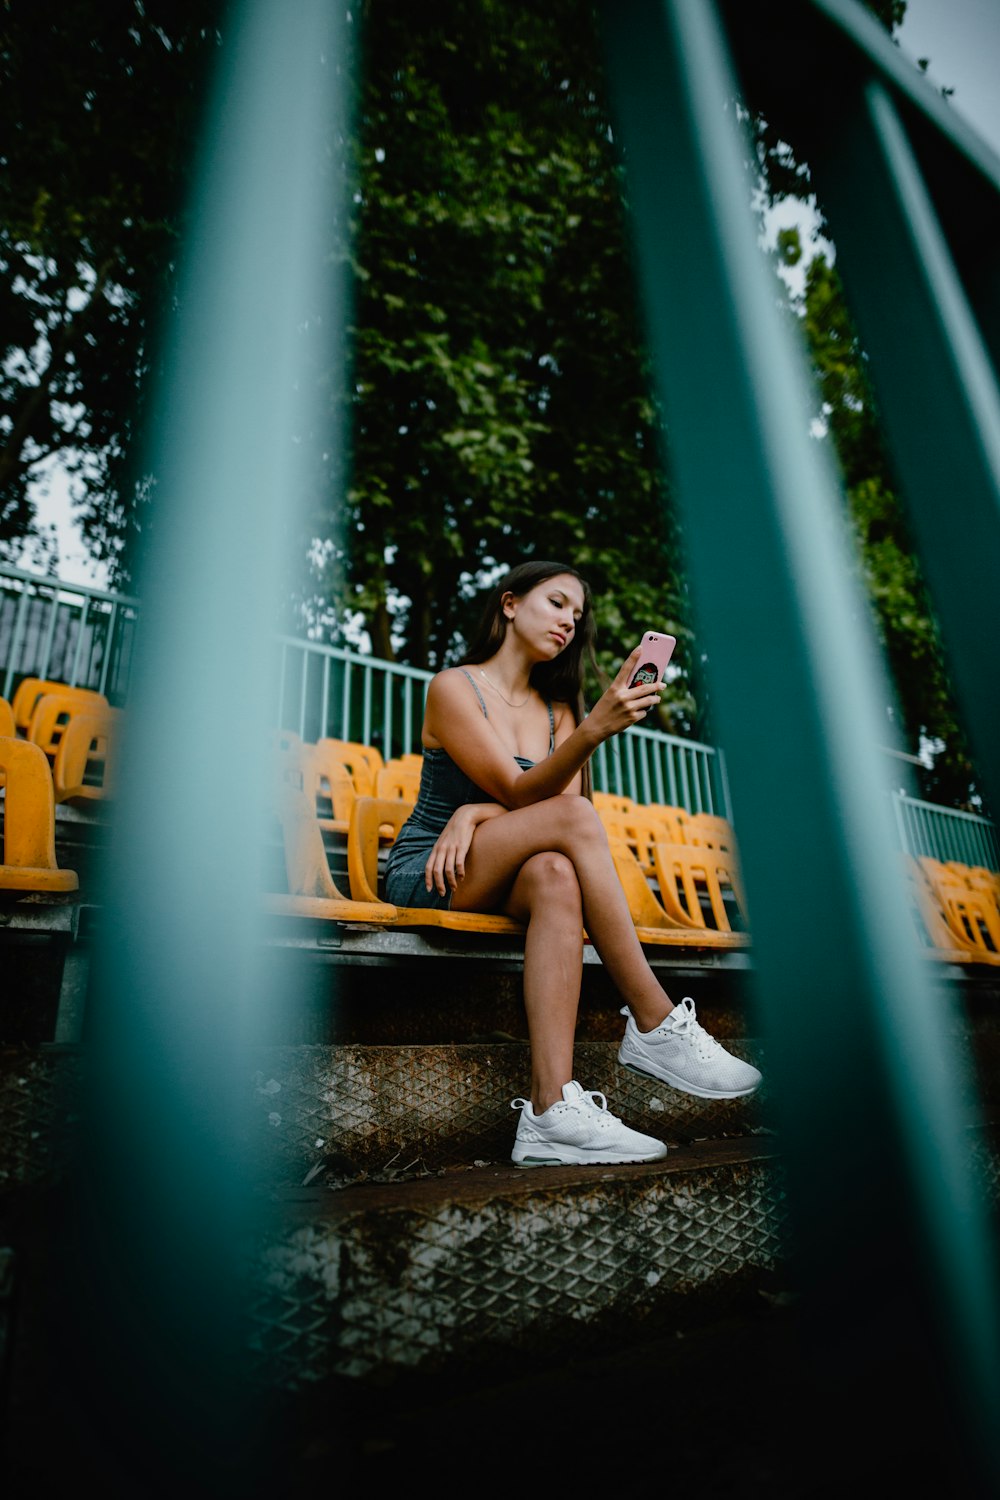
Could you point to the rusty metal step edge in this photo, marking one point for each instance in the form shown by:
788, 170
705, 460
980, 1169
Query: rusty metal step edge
499, 1263
346, 1109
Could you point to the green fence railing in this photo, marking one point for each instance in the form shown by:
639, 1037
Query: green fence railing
866, 1060
897, 1239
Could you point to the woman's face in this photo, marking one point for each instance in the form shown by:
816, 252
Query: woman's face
545, 619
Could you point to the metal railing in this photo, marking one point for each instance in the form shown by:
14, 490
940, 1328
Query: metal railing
945, 833
65, 632
85, 636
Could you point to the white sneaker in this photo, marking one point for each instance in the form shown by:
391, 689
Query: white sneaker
576, 1129
680, 1052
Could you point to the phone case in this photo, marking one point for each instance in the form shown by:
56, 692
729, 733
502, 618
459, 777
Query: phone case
657, 650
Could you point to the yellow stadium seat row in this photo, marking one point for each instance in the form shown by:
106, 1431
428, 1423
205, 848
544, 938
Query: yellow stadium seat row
680, 871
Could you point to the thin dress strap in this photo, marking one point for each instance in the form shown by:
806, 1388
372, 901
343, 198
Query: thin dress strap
552, 727
479, 695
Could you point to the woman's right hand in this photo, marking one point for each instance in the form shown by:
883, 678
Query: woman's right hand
620, 706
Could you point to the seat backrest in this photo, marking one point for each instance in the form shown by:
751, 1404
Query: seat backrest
307, 867
971, 914
708, 831
83, 768
29, 822
53, 711
399, 780
611, 802
328, 782
644, 828
8, 729
363, 761
32, 689
928, 911
644, 909
701, 886
371, 818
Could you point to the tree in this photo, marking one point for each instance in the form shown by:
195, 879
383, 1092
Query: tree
99, 108
501, 402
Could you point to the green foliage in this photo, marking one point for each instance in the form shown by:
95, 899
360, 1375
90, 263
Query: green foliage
501, 403
99, 104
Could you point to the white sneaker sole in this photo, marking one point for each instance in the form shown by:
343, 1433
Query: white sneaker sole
676, 1082
576, 1156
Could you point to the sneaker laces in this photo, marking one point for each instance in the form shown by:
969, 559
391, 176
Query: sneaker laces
588, 1098
691, 1030
597, 1103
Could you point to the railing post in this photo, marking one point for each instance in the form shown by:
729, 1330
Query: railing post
895, 1244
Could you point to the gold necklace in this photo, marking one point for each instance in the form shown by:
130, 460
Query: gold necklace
493, 685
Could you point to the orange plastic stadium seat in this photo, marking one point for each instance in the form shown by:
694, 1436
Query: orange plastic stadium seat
978, 878
654, 924
708, 831
363, 761
611, 802
643, 829
399, 780
8, 728
938, 939
330, 785
31, 689
29, 822
971, 914
672, 816
369, 817
702, 887
83, 769
312, 891
53, 711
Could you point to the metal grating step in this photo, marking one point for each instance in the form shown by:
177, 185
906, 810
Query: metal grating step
496, 1265
343, 1110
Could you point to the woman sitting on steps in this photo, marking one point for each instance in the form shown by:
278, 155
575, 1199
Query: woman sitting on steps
504, 823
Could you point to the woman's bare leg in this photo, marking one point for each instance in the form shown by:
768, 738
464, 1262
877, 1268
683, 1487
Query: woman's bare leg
571, 826
546, 897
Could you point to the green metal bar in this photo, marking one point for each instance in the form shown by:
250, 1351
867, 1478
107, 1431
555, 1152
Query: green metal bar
45, 652
108, 647
17, 636
324, 711
303, 686
936, 387
895, 1245
74, 674
152, 1300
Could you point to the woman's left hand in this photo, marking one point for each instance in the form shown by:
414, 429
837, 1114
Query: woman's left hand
446, 862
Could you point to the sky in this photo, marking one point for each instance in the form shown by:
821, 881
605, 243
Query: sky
961, 39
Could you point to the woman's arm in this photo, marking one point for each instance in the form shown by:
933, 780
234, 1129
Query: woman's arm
446, 862
456, 721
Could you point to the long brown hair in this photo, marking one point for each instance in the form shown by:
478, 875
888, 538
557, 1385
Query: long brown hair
561, 679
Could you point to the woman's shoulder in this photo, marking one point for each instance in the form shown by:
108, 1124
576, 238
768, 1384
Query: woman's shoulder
449, 676
449, 683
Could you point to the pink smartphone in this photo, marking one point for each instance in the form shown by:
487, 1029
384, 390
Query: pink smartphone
656, 651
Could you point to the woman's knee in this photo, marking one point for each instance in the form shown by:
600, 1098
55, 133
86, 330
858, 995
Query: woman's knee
551, 877
579, 817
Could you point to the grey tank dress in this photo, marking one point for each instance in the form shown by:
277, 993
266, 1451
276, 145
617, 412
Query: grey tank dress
443, 788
